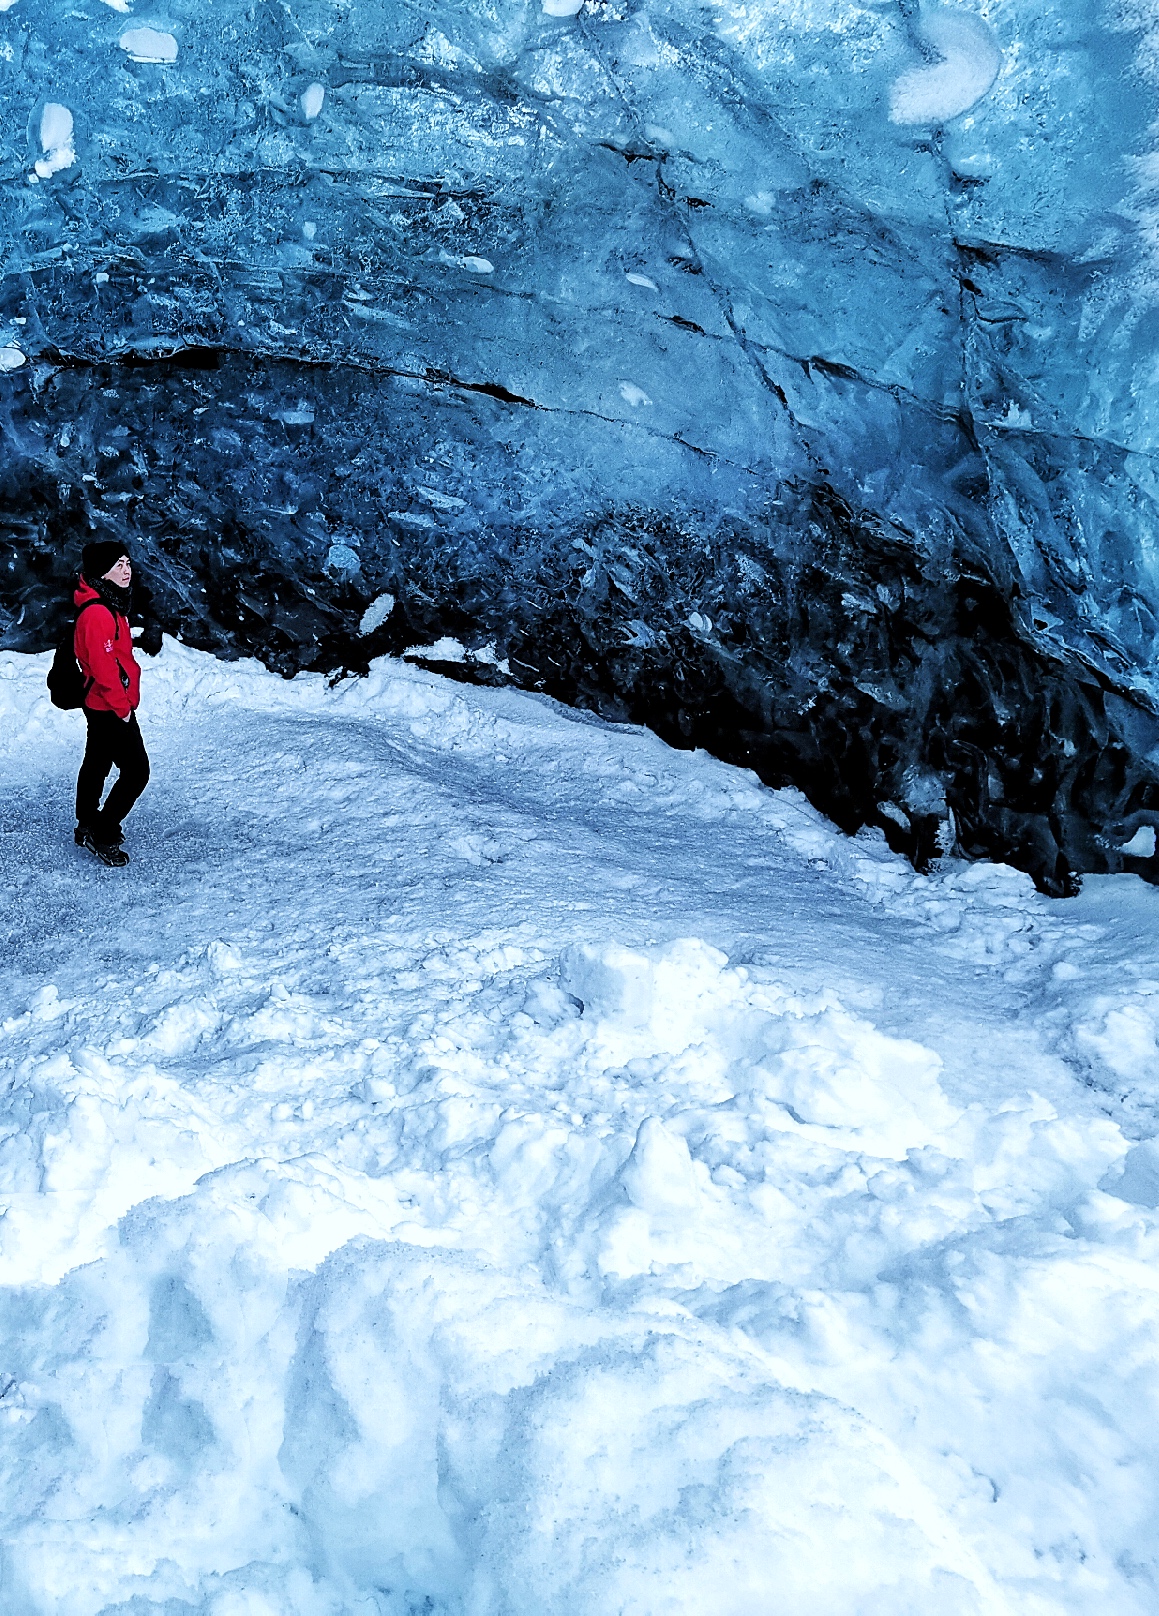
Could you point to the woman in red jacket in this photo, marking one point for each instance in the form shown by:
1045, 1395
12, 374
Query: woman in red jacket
104, 648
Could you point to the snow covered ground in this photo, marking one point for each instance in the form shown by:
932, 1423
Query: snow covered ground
477, 1160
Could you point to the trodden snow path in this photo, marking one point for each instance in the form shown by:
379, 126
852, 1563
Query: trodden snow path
477, 1160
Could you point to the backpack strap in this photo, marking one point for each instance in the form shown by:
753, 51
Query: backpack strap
89, 683
108, 608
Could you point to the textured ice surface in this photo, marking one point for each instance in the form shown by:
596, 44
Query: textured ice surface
831, 323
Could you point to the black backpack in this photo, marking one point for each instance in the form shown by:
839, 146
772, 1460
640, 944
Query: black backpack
67, 685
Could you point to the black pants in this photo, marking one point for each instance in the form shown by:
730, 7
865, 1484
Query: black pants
110, 740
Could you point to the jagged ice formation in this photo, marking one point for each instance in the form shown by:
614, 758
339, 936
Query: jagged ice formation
779, 375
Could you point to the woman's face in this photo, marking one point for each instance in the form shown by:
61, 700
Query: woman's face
120, 573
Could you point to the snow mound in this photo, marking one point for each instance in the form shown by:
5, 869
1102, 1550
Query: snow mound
478, 1160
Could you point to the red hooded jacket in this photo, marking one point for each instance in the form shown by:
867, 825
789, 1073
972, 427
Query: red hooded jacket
104, 648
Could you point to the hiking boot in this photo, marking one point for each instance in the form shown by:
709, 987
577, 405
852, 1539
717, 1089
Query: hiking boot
108, 852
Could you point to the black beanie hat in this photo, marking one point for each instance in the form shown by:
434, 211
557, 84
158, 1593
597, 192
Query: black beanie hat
100, 557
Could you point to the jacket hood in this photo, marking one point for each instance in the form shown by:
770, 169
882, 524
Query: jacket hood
84, 592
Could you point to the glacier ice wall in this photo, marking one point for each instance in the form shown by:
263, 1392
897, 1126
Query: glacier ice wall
778, 374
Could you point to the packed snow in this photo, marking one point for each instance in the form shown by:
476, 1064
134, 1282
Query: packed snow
148, 45
56, 130
312, 98
478, 1160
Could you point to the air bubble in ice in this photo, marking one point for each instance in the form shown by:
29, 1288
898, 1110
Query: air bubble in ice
970, 62
148, 45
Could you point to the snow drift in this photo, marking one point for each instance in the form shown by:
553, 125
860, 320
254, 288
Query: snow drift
477, 1160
